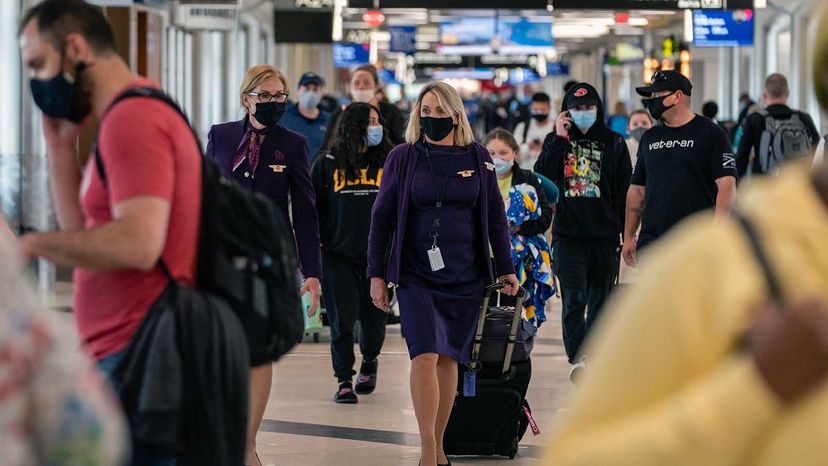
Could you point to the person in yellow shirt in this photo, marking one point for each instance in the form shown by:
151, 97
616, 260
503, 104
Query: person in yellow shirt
697, 364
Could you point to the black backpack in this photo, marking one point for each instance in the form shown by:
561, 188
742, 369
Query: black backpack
246, 254
782, 140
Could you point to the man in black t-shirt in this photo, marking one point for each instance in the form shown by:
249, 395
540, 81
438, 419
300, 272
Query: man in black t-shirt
684, 165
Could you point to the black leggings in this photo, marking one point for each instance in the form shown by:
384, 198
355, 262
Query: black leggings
587, 271
347, 294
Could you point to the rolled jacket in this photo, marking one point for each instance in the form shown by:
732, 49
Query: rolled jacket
283, 175
390, 214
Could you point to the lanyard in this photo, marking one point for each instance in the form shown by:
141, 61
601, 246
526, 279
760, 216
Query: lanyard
435, 224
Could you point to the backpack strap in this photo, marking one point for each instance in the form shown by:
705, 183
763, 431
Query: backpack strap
152, 93
149, 92
526, 130
754, 240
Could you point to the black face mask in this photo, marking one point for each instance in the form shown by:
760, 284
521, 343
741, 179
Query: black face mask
656, 106
540, 117
437, 128
269, 113
59, 98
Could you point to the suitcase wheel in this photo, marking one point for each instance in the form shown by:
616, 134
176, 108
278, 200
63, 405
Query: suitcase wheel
513, 449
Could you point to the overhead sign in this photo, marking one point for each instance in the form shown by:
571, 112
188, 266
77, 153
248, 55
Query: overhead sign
436, 60
213, 3
557, 69
313, 3
482, 36
652, 4
696, 4
467, 36
453, 4
351, 55
403, 39
524, 36
218, 15
723, 28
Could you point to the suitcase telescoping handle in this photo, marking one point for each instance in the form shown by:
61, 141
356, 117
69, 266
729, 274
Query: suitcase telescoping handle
475, 365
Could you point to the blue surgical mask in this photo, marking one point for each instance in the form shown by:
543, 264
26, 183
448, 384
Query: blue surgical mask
374, 136
584, 119
309, 100
503, 167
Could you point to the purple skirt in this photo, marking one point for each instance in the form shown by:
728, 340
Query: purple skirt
439, 319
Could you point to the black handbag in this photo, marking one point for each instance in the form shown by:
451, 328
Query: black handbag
503, 336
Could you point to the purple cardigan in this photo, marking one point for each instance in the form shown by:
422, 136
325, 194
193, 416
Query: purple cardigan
390, 212
282, 174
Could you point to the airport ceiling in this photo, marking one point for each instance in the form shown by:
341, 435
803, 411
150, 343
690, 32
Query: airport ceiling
573, 30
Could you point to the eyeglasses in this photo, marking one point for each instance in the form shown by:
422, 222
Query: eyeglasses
264, 97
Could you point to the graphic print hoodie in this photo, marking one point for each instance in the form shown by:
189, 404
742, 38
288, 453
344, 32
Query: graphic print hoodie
592, 172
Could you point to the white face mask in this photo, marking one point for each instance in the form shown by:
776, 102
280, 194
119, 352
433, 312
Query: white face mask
362, 95
503, 167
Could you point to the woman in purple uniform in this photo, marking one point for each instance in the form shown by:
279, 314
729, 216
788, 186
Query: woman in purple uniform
436, 222
267, 158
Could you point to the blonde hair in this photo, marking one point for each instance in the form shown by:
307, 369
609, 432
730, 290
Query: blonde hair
451, 102
254, 76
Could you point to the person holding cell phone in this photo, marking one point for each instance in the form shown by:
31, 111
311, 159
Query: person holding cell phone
591, 166
437, 220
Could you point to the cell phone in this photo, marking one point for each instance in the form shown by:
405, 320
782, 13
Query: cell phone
567, 124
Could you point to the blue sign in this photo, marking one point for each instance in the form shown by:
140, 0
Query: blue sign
722, 28
557, 69
403, 39
524, 36
350, 55
387, 76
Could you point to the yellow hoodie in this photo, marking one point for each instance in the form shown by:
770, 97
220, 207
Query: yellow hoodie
668, 383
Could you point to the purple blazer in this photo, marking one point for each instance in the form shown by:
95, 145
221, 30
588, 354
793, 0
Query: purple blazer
282, 174
390, 212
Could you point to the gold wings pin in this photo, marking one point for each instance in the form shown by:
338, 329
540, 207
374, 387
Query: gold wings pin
490, 166
277, 168
465, 173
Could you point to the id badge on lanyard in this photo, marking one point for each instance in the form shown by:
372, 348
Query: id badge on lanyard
435, 257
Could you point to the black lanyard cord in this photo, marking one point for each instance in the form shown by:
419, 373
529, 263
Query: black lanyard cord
440, 194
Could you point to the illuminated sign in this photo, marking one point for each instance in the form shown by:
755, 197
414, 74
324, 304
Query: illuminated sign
723, 28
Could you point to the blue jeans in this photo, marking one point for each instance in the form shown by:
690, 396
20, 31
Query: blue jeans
142, 455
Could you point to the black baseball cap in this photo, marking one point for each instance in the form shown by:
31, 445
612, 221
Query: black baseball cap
581, 94
670, 80
311, 78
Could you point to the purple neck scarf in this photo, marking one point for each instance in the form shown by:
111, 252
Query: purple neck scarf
251, 145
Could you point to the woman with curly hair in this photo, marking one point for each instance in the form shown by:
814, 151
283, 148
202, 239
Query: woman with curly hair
346, 182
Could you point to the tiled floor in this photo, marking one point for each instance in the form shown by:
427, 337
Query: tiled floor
303, 426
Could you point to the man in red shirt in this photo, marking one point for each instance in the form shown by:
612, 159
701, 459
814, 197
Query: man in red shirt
112, 233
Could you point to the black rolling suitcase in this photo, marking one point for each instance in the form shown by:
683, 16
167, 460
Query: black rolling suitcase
491, 414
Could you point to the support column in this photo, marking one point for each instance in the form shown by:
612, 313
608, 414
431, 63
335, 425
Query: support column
10, 113
735, 81
724, 77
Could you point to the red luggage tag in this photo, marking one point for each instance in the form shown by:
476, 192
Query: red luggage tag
532, 424
469, 384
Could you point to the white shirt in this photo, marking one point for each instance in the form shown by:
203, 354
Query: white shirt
529, 157
632, 146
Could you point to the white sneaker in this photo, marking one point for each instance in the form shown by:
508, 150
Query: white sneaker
578, 369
